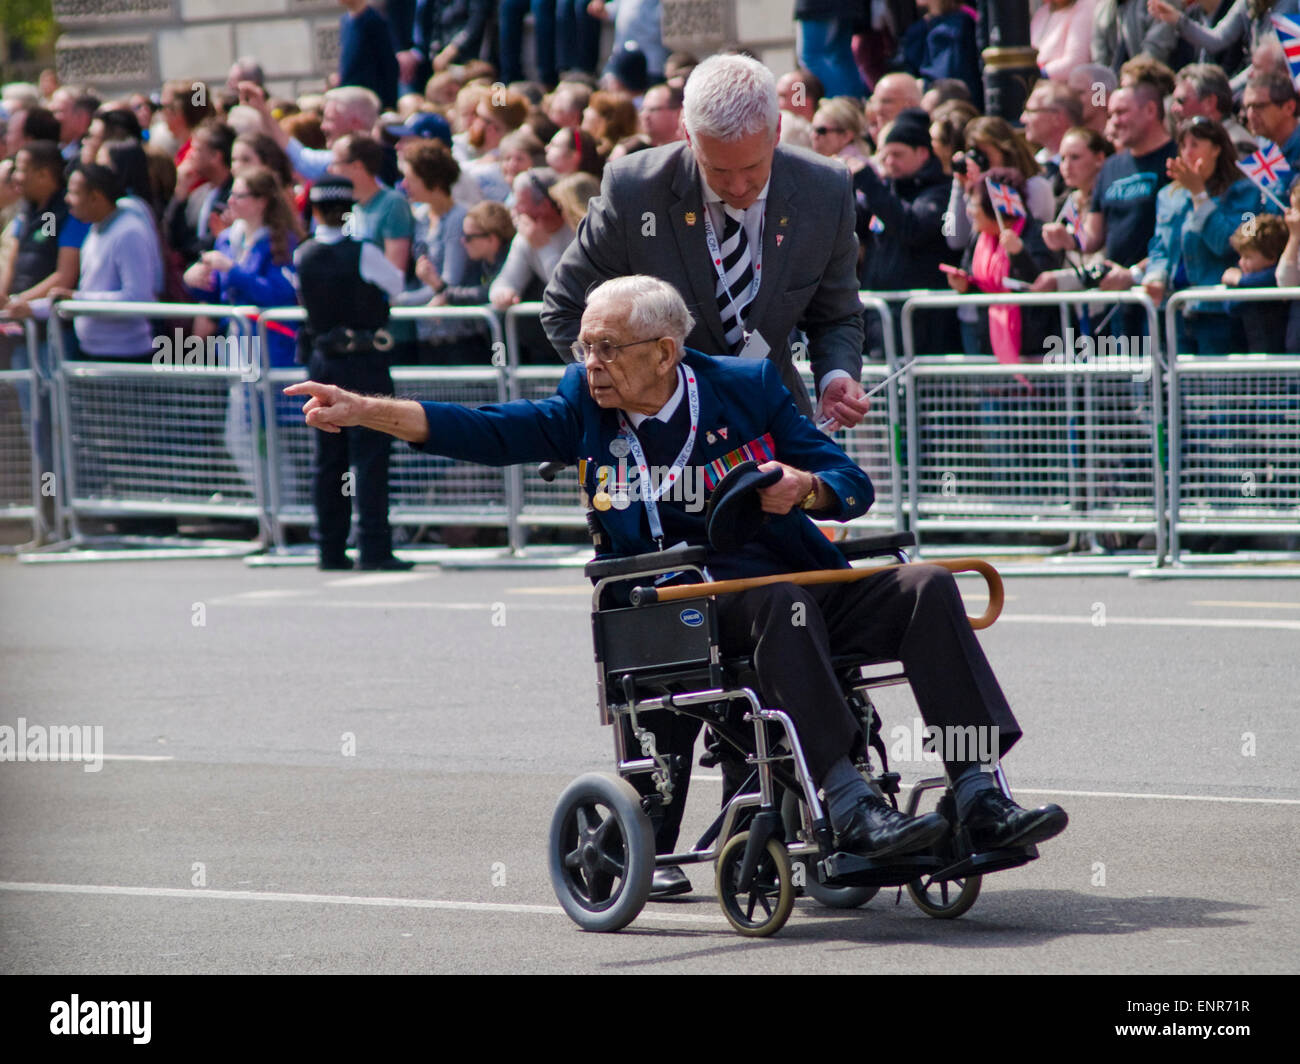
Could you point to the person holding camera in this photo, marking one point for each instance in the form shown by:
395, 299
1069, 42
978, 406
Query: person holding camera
1083, 151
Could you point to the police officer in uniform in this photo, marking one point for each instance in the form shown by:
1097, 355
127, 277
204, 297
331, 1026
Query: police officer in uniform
345, 286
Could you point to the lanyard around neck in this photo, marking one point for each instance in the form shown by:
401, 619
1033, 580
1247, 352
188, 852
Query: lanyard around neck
670, 479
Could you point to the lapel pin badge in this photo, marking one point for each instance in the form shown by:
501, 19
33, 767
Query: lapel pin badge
779, 238
784, 220
690, 217
711, 437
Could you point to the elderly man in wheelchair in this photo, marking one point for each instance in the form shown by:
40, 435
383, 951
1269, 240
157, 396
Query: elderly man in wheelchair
740, 614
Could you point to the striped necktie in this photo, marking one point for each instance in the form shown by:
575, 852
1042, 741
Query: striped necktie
738, 275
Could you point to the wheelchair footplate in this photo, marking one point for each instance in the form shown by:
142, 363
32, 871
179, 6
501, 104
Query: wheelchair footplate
982, 864
854, 870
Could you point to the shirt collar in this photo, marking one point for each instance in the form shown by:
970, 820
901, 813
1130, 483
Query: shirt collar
666, 411
712, 197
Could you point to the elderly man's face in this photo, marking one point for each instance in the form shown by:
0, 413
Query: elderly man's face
638, 377
736, 170
894, 94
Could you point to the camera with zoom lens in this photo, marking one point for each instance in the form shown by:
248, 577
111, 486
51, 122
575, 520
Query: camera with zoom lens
976, 156
1092, 276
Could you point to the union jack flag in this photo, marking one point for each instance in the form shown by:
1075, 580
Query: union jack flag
1006, 200
1070, 218
1288, 35
1267, 167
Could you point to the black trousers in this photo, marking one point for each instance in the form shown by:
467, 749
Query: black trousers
910, 614
364, 449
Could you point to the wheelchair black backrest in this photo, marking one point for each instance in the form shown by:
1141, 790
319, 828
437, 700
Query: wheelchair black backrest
648, 651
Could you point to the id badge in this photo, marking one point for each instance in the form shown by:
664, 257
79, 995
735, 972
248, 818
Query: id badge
755, 346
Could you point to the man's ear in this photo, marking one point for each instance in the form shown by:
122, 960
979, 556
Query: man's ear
669, 353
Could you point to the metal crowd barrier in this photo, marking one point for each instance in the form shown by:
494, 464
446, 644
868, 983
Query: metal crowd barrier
876, 443
1072, 444
423, 489
1076, 443
1234, 440
175, 437
23, 469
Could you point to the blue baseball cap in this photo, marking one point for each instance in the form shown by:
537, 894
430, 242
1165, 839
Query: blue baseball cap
426, 125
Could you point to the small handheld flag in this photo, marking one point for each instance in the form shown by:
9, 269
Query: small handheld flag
1288, 35
1269, 170
1006, 200
1069, 218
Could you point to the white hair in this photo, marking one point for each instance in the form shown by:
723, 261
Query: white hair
20, 96
729, 97
654, 306
358, 103
244, 120
796, 131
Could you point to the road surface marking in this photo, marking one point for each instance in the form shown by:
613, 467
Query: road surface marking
334, 899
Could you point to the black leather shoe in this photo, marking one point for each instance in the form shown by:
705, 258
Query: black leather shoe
996, 822
877, 829
669, 881
388, 565
330, 565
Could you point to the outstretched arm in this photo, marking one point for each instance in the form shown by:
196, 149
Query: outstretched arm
331, 409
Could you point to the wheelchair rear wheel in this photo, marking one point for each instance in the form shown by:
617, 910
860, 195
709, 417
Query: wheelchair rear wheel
602, 852
764, 908
833, 897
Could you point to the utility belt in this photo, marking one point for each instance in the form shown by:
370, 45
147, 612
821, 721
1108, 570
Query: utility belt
342, 341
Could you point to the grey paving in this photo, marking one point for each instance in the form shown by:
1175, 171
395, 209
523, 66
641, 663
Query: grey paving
389, 749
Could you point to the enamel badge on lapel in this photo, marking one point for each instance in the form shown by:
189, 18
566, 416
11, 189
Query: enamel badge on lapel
781, 236
711, 437
690, 217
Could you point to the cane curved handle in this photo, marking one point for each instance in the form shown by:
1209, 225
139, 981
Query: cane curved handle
991, 577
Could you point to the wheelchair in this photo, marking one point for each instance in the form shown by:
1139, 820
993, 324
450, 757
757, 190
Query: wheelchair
655, 632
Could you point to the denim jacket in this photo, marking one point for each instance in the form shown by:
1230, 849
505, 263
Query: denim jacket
1190, 247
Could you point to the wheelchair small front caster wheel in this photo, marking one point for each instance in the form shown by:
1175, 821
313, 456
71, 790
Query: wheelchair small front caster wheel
602, 852
945, 899
762, 908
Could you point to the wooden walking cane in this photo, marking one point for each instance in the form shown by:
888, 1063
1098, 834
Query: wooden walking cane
645, 596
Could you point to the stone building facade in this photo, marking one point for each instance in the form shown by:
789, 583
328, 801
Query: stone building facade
121, 46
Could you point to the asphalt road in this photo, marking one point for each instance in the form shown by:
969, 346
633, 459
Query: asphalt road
314, 773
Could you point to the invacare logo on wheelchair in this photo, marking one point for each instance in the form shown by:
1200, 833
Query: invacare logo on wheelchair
953, 743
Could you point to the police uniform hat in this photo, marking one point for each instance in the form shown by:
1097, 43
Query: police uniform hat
332, 190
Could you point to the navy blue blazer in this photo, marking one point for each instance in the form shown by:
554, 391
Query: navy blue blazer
743, 404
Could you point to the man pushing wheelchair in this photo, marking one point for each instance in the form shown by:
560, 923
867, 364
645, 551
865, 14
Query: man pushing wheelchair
644, 419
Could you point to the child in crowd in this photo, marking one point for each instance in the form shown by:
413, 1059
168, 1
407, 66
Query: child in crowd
1259, 243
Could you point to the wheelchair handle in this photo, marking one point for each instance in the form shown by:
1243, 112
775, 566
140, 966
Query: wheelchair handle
646, 596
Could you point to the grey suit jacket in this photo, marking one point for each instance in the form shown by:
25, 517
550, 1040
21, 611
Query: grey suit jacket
649, 218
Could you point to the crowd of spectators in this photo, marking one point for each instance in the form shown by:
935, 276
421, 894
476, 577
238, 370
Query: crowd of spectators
472, 179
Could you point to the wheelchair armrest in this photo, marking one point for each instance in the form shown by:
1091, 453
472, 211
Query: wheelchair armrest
661, 561
875, 546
